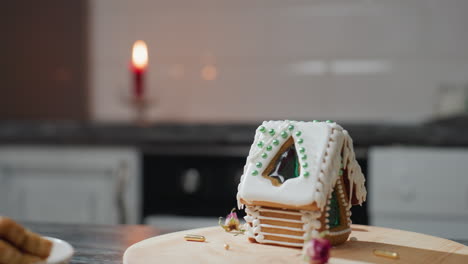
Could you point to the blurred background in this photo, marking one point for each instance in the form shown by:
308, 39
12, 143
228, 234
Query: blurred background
93, 130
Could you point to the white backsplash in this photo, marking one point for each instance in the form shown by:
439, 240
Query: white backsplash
353, 60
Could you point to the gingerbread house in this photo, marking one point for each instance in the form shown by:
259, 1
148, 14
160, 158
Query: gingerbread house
300, 179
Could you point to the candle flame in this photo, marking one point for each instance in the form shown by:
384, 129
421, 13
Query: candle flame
140, 55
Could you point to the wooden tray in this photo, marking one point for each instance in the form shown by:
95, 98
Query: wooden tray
412, 248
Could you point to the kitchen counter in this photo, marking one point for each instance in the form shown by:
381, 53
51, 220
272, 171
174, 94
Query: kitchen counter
451, 134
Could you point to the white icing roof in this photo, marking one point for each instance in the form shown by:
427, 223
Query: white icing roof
323, 143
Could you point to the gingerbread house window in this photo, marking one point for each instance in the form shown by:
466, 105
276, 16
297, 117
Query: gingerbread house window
334, 212
285, 165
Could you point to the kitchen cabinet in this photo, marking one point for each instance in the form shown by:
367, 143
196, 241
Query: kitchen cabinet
421, 189
73, 184
189, 191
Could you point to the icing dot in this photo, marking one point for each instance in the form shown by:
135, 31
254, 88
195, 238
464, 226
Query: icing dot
306, 174
329, 121
262, 129
298, 133
258, 164
305, 165
304, 157
284, 134
254, 173
260, 144
290, 127
301, 149
271, 132
300, 141
269, 148
264, 155
275, 142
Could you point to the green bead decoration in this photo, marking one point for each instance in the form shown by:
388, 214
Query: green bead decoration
301, 149
269, 148
254, 173
284, 134
340, 173
260, 144
315, 121
306, 174
275, 142
271, 132
298, 133
300, 141
329, 121
290, 127
264, 155
262, 129
305, 165
258, 164
304, 157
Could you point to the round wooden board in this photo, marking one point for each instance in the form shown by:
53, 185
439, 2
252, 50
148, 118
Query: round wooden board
412, 248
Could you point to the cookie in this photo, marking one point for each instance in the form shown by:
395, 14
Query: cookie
11, 255
23, 239
12, 231
36, 245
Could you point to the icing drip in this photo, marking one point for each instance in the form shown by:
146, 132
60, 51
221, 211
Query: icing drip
355, 176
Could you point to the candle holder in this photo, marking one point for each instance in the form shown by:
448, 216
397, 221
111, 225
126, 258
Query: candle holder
140, 106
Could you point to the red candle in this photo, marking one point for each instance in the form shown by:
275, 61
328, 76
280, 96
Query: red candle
139, 65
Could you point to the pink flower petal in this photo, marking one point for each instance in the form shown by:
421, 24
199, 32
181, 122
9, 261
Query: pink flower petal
319, 250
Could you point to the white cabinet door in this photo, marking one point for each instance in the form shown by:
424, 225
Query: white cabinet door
70, 184
420, 189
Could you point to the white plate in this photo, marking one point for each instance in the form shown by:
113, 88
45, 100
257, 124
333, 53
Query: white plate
61, 251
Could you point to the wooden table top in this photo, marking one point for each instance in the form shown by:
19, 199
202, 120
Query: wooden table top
412, 248
100, 243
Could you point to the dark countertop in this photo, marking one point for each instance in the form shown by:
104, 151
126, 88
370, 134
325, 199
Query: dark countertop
99, 243
104, 244
440, 133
